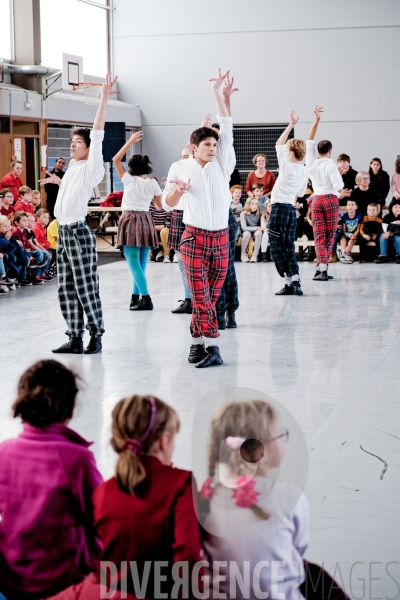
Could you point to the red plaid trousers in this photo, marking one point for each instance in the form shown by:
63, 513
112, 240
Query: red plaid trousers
324, 215
205, 255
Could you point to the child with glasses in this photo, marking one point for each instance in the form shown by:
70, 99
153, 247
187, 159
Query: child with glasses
6, 203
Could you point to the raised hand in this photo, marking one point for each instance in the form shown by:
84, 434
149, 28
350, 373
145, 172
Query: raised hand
228, 88
293, 120
207, 121
217, 81
317, 112
108, 86
181, 186
51, 179
136, 137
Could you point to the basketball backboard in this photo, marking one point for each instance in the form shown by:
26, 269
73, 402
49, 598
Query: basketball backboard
72, 71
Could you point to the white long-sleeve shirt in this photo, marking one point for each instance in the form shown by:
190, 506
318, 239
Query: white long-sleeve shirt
323, 172
78, 182
292, 180
206, 204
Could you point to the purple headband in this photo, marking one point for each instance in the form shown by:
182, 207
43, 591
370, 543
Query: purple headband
136, 445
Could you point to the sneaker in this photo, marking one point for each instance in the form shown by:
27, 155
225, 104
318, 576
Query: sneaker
6, 282
175, 259
37, 281
35, 265
13, 286
397, 260
244, 258
167, 259
4, 289
159, 256
25, 282
332, 257
46, 277
321, 276
297, 291
253, 259
381, 259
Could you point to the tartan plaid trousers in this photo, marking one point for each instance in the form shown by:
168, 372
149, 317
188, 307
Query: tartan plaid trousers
281, 227
205, 255
228, 299
78, 281
324, 215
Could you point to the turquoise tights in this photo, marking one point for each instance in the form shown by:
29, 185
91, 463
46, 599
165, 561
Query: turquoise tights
137, 260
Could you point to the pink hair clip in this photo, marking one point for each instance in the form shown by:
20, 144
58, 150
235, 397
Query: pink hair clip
234, 442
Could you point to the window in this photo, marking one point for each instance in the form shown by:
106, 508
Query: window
6, 29
73, 27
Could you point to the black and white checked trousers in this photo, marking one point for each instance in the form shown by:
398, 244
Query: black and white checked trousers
78, 281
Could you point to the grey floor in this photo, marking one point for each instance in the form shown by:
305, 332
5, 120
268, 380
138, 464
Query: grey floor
330, 358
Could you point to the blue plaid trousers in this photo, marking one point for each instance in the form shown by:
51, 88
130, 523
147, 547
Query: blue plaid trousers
228, 299
78, 281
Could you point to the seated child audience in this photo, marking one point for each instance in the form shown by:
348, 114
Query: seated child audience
370, 231
248, 515
6, 203
162, 221
20, 234
45, 257
15, 258
364, 194
25, 200
350, 229
47, 478
391, 222
40, 231
52, 236
264, 222
250, 220
36, 200
301, 207
143, 435
395, 181
258, 193
237, 206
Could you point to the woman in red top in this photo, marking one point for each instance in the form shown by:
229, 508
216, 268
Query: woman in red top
147, 512
260, 175
13, 179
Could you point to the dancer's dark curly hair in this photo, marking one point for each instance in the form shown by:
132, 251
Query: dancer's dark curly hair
140, 165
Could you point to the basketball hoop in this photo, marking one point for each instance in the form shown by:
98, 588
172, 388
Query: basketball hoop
92, 91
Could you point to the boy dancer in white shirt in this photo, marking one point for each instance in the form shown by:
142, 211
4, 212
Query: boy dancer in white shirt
327, 185
78, 282
291, 183
202, 181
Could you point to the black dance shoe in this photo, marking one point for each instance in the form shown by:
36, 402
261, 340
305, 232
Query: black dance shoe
134, 301
94, 346
287, 290
297, 291
211, 359
221, 321
231, 321
144, 303
185, 307
321, 276
197, 353
73, 346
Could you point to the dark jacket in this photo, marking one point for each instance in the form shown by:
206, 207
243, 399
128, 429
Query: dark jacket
380, 184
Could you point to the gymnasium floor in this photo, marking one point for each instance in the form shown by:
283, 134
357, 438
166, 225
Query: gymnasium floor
331, 358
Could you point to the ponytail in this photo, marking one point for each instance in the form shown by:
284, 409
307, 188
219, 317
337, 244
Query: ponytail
138, 422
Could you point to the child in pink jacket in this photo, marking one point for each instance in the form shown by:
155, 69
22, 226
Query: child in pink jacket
47, 477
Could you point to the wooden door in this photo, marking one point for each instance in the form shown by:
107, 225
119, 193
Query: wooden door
6, 150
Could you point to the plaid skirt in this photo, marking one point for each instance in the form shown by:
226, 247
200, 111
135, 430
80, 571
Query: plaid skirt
176, 229
136, 228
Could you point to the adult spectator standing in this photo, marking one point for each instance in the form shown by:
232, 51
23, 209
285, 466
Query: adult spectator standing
13, 180
260, 175
395, 183
51, 189
348, 175
379, 180
364, 194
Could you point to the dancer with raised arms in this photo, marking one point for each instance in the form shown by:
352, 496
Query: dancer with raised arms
201, 185
78, 281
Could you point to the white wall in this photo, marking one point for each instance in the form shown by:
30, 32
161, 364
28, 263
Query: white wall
283, 54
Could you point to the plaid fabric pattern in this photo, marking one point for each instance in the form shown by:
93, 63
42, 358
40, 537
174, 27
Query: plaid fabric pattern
78, 282
282, 225
136, 228
228, 299
176, 230
324, 215
205, 255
